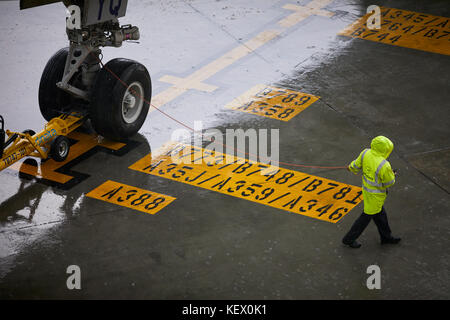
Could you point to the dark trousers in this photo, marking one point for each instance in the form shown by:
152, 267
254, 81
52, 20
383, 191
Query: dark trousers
361, 223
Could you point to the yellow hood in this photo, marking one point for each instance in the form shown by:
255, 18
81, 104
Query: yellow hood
382, 145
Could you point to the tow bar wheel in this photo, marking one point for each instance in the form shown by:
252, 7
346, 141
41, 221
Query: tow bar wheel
59, 149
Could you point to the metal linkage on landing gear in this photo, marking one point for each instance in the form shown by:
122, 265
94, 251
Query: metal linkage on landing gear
84, 52
116, 97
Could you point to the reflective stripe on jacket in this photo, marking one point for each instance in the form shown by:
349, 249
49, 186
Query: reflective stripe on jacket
377, 174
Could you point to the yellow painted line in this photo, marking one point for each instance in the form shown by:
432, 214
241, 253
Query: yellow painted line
272, 102
405, 29
130, 197
280, 188
48, 169
195, 80
303, 12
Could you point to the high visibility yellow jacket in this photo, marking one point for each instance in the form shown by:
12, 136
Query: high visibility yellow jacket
377, 174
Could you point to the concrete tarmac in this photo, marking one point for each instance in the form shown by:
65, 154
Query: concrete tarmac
210, 245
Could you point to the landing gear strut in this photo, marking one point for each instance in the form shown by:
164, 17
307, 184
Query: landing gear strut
116, 98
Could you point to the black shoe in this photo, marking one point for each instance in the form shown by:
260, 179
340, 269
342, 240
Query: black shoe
392, 240
354, 244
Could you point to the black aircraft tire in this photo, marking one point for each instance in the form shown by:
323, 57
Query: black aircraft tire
117, 112
53, 100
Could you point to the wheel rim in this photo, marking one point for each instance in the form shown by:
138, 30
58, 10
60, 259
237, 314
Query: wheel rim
63, 149
132, 102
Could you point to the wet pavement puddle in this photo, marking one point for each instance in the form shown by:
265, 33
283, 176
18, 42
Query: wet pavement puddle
60, 174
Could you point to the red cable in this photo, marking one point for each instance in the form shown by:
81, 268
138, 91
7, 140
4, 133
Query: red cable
186, 126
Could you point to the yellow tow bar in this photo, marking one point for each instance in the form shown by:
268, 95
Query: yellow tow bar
50, 142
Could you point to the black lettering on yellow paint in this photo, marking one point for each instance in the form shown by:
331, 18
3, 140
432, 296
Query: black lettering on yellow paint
272, 102
405, 29
280, 188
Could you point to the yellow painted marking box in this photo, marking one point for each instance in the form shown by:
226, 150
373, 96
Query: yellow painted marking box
130, 197
272, 102
405, 29
280, 188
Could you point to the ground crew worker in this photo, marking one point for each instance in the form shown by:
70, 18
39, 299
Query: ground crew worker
377, 177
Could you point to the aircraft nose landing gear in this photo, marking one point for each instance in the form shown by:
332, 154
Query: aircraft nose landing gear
116, 97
